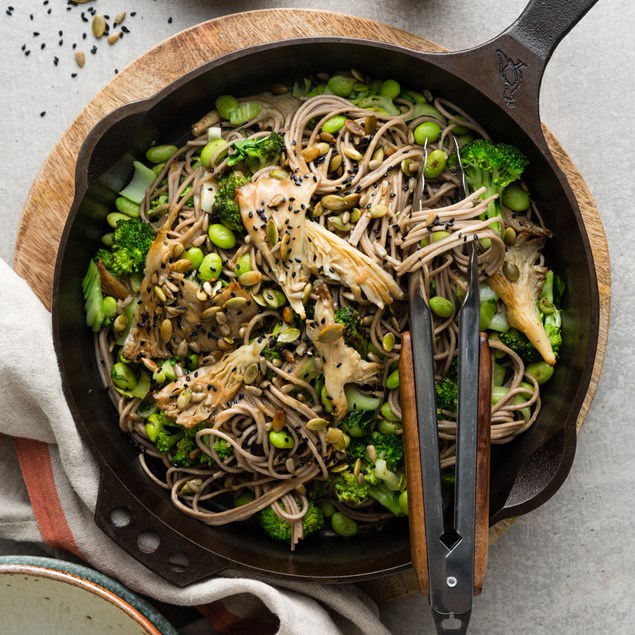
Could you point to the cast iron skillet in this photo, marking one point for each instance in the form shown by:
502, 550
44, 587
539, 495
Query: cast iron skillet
498, 83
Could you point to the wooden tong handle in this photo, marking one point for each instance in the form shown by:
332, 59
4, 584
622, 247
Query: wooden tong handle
416, 512
481, 527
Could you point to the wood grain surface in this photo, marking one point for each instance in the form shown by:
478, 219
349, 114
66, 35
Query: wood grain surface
51, 194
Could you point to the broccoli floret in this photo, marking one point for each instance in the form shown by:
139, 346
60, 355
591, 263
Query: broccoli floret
390, 448
225, 208
320, 490
520, 344
348, 489
163, 432
280, 529
223, 449
357, 449
447, 394
550, 314
353, 333
257, 153
130, 243
493, 166
358, 423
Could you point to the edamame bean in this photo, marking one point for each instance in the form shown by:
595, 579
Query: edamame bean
109, 307
195, 256
427, 130
416, 96
158, 167
343, 525
328, 509
226, 104
487, 312
243, 264
390, 88
123, 377
341, 86
160, 154
441, 307
127, 207
498, 392
191, 361
210, 267
244, 498
435, 164
388, 427
499, 373
334, 124
221, 236
274, 298
281, 440
114, 217
541, 371
460, 130
516, 198
393, 380
210, 150
387, 413
107, 239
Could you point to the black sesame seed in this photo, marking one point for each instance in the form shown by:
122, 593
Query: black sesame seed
170, 20
43, 113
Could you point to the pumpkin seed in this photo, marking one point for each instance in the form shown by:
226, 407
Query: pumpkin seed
353, 154
335, 203
120, 17
358, 75
178, 250
330, 333
356, 214
182, 266
378, 211
317, 424
327, 136
271, 232
183, 400
354, 128
338, 223
373, 164
234, 304
121, 323
258, 299
323, 147
357, 467
279, 421
289, 335
277, 200
352, 199
334, 435
388, 342
279, 174
318, 210
279, 89
158, 291
370, 125
335, 163
166, 331
99, 25
340, 467
310, 154
284, 247
221, 317
209, 313
250, 278
510, 236
251, 374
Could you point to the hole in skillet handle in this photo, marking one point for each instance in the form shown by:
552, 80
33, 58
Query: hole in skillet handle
147, 539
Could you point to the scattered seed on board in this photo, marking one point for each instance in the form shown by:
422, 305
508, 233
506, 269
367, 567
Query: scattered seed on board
80, 58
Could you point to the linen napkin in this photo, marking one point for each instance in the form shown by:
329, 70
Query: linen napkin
48, 491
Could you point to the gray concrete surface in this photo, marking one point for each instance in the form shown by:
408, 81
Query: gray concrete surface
569, 567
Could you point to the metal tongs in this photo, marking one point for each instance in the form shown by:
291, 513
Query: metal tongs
449, 551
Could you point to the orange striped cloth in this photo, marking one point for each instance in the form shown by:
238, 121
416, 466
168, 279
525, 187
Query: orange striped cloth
62, 477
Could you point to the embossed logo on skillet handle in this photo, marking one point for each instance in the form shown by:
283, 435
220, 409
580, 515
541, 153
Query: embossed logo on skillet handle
509, 68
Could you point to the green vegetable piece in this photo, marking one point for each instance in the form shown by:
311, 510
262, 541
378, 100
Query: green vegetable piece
142, 179
446, 393
487, 313
354, 334
281, 440
191, 361
426, 110
328, 509
114, 217
393, 380
378, 103
390, 88
123, 377
132, 239
499, 373
403, 502
225, 208
245, 497
195, 256
211, 266
257, 153
279, 529
516, 197
435, 164
355, 400
208, 152
274, 298
93, 298
226, 104
245, 112
334, 124
326, 402
160, 154
147, 408
388, 427
441, 307
357, 423
221, 236
127, 207
415, 96
341, 86
460, 130
541, 371
498, 392
343, 526
107, 239
427, 131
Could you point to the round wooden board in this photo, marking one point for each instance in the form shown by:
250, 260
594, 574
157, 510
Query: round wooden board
51, 195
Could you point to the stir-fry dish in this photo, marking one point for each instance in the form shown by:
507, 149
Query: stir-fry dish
250, 298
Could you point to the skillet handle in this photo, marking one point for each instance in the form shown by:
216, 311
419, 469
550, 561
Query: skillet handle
147, 538
509, 68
